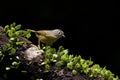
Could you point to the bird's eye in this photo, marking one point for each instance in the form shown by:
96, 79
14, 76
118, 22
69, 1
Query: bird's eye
59, 33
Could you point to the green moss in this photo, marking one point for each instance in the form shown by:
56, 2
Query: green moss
8, 50
60, 57
70, 65
1, 56
78, 65
13, 32
74, 72
60, 63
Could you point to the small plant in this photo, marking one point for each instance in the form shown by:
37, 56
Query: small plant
13, 32
76, 64
8, 50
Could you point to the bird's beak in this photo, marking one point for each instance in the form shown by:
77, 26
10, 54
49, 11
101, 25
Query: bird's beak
63, 35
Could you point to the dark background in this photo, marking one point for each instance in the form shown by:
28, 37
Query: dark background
91, 28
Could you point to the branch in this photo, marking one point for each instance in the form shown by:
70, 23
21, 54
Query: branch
48, 63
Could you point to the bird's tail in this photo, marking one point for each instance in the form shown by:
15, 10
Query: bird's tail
32, 30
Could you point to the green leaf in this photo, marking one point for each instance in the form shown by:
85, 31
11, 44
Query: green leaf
54, 57
77, 66
60, 63
28, 35
86, 70
17, 33
12, 38
117, 78
70, 65
18, 27
47, 68
65, 57
12, 51
13, 24
39, 79
10, 33
7, 68
74, 72
14, 63
23, 71
20, 43
1, 56
71, 57
8, 45
4, 47
60, 51
6, 28
13, 29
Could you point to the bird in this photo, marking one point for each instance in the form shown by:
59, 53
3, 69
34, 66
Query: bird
48, 37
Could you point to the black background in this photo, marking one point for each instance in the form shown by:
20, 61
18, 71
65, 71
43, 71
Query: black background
91, 28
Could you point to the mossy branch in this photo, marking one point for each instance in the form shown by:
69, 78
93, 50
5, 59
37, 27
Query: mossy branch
48, 63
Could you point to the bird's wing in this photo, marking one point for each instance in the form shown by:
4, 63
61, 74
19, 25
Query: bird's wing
50, 35
46, 33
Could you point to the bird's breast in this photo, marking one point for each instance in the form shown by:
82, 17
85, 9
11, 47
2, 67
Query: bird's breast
47, 40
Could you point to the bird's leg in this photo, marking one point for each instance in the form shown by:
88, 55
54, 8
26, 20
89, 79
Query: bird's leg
39, 44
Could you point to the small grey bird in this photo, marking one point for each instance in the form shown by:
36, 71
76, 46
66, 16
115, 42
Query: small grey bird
48, 37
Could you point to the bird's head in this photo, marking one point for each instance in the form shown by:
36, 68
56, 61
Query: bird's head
58, 33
